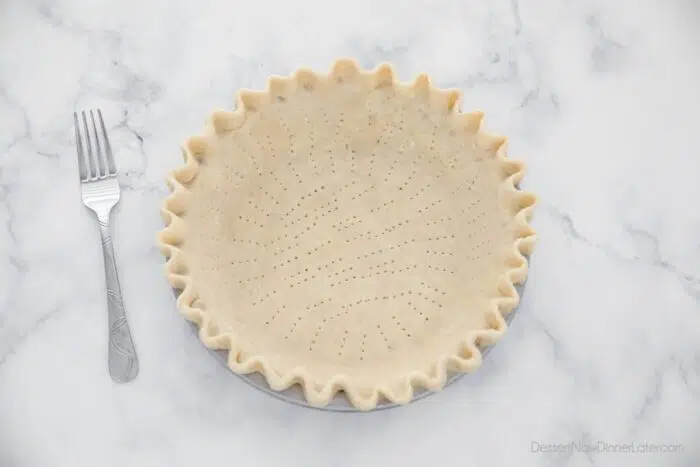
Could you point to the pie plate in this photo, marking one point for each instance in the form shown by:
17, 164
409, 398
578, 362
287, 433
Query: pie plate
346, 240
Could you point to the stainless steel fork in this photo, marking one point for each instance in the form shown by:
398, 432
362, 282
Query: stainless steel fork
100, 193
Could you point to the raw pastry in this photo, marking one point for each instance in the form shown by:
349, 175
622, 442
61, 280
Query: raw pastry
348, 232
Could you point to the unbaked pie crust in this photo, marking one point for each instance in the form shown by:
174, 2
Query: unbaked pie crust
348, 232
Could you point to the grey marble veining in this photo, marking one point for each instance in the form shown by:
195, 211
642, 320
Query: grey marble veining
600, 98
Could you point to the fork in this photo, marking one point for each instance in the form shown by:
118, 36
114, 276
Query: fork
100, 192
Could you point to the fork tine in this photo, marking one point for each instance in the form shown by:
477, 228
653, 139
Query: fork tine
81, 152
108, 147
92, 172
101, 164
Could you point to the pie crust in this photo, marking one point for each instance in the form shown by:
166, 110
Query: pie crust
348, 232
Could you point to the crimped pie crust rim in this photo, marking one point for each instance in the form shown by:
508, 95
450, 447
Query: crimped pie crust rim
470, 357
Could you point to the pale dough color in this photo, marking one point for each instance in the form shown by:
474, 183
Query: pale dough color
350, 231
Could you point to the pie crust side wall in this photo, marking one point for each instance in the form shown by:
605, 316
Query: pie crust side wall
469, 358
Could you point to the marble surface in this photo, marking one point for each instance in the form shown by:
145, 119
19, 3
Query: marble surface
600, 98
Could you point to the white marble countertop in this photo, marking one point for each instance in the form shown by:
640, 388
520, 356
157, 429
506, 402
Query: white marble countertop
600, 98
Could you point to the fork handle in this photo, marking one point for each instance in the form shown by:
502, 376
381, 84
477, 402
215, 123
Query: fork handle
123, 364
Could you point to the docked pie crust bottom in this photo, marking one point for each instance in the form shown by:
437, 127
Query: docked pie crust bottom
348, 232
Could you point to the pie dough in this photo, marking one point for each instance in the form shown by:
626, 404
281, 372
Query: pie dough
348, 232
